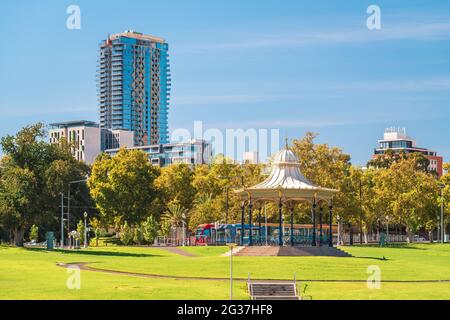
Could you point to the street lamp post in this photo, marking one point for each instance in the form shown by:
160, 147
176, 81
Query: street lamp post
442, 214
184, 228
387, 229
231, 246
360, 212
226, 206
265, 226
227, 189
68, 201
85, 229
62, 220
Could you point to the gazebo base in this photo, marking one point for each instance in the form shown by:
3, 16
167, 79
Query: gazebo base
295, 251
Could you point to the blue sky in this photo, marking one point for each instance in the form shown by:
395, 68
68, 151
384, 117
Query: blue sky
294, 65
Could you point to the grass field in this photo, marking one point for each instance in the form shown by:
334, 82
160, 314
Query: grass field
33, 274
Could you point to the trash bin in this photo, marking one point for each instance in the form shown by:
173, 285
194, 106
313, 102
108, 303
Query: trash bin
382, 241
50, 237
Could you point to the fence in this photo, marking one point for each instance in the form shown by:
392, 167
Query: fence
373, 238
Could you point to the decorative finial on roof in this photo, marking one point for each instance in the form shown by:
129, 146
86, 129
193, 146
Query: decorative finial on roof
286, 140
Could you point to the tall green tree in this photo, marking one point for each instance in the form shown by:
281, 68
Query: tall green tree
445, 183
80, 230
328, 167
150, 229
34, 173
126, 234
175, 185
97, 227
408, 194
214, 182
206, 210
34, 233
123, 186
386, 160
174, 214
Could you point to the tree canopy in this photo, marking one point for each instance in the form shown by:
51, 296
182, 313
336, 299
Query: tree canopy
139, 198
123, 186
34, 173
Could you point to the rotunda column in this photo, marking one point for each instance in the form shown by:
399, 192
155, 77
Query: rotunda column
313, 243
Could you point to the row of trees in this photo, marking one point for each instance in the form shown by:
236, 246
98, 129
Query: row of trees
139, 200
33, 173
129, 190
395, 189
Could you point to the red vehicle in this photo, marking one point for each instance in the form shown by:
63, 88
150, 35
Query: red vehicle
203, 234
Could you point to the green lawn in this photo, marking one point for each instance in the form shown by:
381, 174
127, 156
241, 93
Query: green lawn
33, 274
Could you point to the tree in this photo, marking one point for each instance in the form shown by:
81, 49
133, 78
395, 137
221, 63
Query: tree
175, 185
386, 160
206, 210
17, 194
358, 200
174, 214
408, 194
328, 167
212, 183
31, 180
34, 233
80, 230
445, 183
138, 236
123, 186
150, 229
126, 234
96, 225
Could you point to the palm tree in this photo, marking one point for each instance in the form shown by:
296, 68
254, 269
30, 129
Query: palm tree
174, 216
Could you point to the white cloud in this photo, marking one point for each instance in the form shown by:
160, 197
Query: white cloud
389, 32
311, 90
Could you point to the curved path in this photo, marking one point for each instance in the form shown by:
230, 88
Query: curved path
84, 266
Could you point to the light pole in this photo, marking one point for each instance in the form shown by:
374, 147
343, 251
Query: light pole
226, 206
231, 246
62, 220
85, 229
227, 196
184, 228
442, 186
360, 212
338, 218
68, 201
265, 227
387, 229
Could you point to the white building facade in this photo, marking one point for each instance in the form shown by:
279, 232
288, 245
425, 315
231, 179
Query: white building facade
83, 136
87, 139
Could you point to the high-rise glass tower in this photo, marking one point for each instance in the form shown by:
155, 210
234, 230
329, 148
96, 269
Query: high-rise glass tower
134, 86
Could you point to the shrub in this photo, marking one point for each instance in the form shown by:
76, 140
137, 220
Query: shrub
126, 234
34, 233
138, 237
150, 229
80, 230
